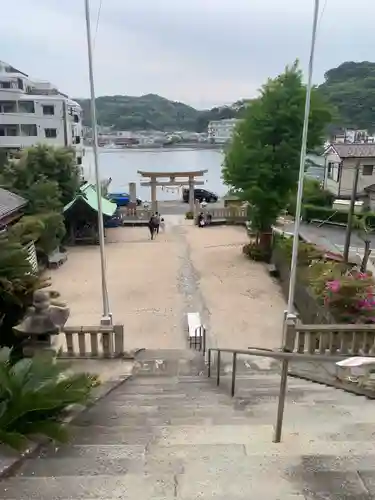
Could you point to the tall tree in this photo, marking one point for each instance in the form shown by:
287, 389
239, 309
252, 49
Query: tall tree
262, 162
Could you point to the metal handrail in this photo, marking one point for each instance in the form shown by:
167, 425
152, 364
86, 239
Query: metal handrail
202, 339
283, 356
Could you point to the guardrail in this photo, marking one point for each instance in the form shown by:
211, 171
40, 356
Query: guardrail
283, 356
92, 342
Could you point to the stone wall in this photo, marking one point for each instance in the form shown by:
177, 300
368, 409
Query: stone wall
306, 304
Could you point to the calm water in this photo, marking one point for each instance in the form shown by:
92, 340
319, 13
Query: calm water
122, 166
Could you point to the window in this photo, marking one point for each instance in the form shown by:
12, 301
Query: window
50, 133
20, 83
8, 107
48, 109
5, 85
368, 169
78, 139
8, 130
76, 118
26, 107
29, 130
333, 171
79, 160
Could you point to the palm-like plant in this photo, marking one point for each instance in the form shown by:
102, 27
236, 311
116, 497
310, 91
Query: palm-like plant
34, 394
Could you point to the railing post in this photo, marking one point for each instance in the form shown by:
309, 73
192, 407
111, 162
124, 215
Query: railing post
204, 341
209, 363
119, 339
218, 368
234, 368
289, 334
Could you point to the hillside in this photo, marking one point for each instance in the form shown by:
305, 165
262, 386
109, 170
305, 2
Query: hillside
351, 89
154, 112
140, 113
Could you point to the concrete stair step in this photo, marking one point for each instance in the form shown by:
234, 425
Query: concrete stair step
125, 487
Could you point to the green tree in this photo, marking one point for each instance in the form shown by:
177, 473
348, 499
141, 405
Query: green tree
17, 284
48, 178
313, 194
263, 160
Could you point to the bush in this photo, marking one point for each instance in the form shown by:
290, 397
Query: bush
189, 215
256, 252
351, 297
34, 394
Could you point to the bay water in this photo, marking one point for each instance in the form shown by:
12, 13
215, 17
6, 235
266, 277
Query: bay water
122, 165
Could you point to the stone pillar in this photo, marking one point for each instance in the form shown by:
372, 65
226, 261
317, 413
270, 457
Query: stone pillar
154, 203
132, 192
191, 194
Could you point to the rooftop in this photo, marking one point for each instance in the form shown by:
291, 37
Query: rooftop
10, 203
353, 150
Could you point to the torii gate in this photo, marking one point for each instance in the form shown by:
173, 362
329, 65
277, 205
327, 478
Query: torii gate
175, 179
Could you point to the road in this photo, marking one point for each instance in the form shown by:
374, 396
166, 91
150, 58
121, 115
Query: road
330, 237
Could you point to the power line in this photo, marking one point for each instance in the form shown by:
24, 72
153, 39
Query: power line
97, 23
322, 12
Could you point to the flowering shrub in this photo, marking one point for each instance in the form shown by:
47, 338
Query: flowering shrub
351, 297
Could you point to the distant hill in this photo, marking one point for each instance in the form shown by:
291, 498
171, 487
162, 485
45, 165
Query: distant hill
351, 89
141, 113
153, 112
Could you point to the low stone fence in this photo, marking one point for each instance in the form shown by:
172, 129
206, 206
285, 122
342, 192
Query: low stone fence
135, 214
92, 342
332, 339
229, 215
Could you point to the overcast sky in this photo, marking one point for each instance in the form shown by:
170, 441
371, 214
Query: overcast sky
202, 52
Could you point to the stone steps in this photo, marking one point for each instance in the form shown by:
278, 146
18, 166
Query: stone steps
173, 434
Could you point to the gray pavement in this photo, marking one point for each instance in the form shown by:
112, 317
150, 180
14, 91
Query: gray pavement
331, 237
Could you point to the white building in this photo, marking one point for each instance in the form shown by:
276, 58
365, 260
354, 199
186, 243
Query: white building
37, 113
221, 131
341, 162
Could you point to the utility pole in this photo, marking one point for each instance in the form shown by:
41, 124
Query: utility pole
351, 213
107, 317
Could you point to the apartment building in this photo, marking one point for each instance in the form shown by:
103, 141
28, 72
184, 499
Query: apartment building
221, 131
35, 112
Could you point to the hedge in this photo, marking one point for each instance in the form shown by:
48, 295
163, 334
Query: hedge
310, 212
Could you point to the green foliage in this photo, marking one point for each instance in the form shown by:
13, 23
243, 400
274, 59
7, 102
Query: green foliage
262, 162
189, 215
313, 194
255, 252
46, 229
351, 89
38, 165
34, 394
48, 178
141, 113
17, 284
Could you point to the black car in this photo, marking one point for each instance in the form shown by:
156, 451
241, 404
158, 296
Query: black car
200, 195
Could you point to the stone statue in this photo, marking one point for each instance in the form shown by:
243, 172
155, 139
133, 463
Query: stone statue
42, 323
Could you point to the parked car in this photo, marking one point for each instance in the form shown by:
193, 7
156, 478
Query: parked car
200, 195
122, 199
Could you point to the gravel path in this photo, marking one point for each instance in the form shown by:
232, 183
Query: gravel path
153, 284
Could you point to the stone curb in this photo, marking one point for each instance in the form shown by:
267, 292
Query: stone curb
100, 393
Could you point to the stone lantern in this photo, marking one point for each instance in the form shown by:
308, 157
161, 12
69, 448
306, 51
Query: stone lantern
41, 325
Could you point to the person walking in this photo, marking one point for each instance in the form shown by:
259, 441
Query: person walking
157, 222
152, 226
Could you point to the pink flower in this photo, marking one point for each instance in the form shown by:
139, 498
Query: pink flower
333, 286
